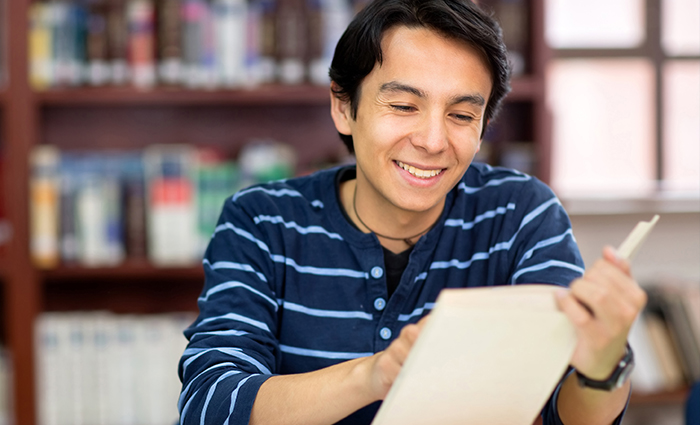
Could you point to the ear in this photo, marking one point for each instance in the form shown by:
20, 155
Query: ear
341, 113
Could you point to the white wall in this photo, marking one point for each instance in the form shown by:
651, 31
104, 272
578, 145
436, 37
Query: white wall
672, 249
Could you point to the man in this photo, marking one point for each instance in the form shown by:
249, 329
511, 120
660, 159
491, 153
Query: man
315, 287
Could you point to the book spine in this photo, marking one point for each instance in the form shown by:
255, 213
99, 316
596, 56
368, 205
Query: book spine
291, 41
97, 46
117, 42
172, 239
41, 46
68, 231
134, 207
44, 208
230, 20
169, 42
140, 18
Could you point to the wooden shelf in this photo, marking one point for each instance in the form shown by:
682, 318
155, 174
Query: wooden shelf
666, 397
264, 95
523, 88
132, 269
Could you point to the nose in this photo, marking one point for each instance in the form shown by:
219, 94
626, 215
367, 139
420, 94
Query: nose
432, 135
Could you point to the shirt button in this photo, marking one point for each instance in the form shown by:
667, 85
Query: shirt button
377, 272
385, 333
379, 304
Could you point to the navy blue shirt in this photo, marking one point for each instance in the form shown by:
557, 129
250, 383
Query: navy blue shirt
291, 286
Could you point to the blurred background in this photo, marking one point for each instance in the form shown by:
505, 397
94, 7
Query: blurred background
125, 124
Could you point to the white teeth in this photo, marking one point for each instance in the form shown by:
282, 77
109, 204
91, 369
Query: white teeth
417, 172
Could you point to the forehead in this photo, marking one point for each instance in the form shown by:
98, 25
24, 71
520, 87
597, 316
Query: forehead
424, 56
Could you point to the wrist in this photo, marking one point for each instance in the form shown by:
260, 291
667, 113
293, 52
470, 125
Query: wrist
614, 379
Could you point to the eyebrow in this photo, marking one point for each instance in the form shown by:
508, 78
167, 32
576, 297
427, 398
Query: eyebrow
393, 87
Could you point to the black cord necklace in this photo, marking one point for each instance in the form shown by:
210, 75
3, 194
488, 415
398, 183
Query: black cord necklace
407, 240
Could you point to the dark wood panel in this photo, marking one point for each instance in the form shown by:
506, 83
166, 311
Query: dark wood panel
308, 129
264, 95
122, 295
131, 269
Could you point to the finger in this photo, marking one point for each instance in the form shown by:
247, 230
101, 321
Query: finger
576, 312
611, 255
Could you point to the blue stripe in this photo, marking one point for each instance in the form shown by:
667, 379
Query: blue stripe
459, 264
231, 351
290, 262
488, 214
238, 317
234, 284
318, 270
210, 393
492, 183
234, 266
416, 312
272, 192
421, 276
501, 246
546, 265
234, 397
243, 233
292, 225
187, 407
187, 388
322, 354
327, 313
230, 332
317, 204
541, 244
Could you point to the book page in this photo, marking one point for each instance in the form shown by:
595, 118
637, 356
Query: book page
485, 356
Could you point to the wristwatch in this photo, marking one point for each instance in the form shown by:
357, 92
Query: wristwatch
618, 377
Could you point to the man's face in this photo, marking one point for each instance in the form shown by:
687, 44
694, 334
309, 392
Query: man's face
419, 119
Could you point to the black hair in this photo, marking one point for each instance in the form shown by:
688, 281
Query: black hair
359, 48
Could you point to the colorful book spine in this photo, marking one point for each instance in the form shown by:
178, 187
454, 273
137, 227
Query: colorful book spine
171, 212
44, 208
140, 18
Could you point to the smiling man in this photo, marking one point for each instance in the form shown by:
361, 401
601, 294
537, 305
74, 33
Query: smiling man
316, 287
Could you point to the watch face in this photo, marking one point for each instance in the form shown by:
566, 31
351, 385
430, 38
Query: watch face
624, 374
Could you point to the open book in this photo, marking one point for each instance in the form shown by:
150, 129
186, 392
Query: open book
487, 355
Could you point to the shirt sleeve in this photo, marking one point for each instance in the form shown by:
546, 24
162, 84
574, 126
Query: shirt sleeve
545, 249
232, 346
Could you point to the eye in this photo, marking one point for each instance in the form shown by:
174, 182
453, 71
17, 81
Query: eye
463, 118
403, 108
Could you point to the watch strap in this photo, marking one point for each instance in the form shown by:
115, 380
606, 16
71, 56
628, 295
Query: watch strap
616, 379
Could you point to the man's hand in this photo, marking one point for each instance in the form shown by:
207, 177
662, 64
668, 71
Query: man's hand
386, 365
602, 305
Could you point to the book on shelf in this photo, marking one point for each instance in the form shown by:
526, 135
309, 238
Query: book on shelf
44, 197
141, 29
665, 339
169, 42
170, 206
102, 368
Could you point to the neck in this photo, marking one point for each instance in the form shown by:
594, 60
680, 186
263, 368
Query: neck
395, 231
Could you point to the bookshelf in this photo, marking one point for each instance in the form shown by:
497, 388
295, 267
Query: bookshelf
129, 118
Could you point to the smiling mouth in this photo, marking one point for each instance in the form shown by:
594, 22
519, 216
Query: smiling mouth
417, 172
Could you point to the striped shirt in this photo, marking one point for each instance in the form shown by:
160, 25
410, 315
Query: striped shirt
291, 286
